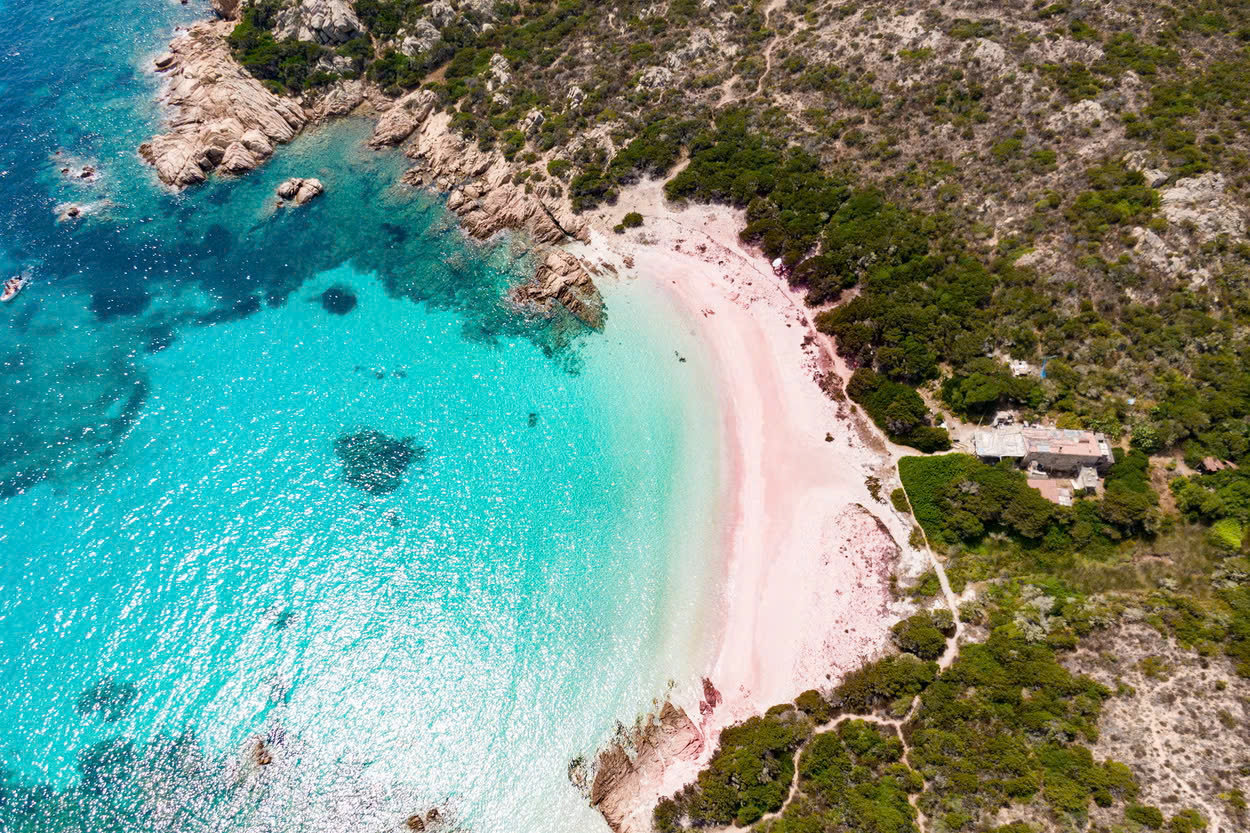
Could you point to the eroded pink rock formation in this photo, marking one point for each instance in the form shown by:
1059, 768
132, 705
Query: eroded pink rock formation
222, 117
621, 781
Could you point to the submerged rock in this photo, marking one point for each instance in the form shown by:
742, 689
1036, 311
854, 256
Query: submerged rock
374, 462
107, 699
160, 337
338, 300
118, 302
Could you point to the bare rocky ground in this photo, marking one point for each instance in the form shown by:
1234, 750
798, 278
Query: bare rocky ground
1180, 720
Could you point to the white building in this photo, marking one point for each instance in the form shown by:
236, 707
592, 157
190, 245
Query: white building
1050, 450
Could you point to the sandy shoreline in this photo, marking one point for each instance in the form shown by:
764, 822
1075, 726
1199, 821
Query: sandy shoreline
809, 550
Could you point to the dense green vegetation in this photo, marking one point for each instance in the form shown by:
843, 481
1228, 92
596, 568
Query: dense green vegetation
924, 634
749, 775
898, 410
1006, 723
888, 684
852, 778
285, 65
959, 500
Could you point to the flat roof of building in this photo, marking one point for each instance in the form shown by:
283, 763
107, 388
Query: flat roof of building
1001, 443
1019, 442
1066, 441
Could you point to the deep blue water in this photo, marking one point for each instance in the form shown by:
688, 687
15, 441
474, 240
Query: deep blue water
188, 577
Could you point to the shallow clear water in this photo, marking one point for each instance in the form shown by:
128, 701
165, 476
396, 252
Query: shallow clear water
187, 580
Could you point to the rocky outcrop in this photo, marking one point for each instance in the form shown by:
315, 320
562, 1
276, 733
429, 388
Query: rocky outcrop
327, 22
340, 100
482, 191
300, 191
622, 785
564, 279
237, 159
224, 119
500, 72
420, 38
403, 117
221, 117
227, 9
1203, 204
655, 78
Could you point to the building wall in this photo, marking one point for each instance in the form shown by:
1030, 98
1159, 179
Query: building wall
1052, 461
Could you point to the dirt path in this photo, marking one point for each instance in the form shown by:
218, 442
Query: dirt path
772, 44
727, 95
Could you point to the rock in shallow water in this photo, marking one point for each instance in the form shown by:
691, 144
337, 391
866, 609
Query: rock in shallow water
108, 699
338, 300
214, 104
564, 279
300, 190
374, 462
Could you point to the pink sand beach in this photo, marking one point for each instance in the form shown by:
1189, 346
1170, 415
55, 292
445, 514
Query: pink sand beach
809, 551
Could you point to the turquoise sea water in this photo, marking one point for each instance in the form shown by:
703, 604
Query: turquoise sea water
188, 583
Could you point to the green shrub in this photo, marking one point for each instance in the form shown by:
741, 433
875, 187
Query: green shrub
880, 683
927, 588
814, 705
919, 635
632, 220
925, 479
1145, 815
1118, 197
896, 409
1187, 821
1226, 534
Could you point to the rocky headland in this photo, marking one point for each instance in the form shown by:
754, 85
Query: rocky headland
630, 770
221, 118
224, 120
